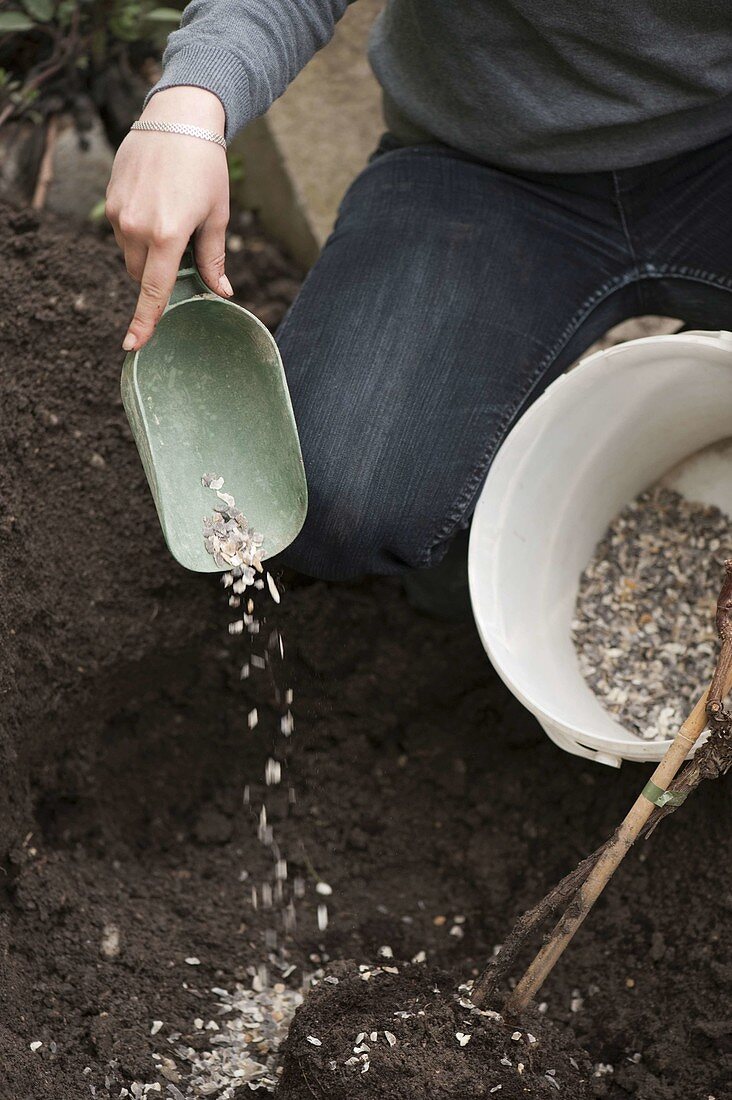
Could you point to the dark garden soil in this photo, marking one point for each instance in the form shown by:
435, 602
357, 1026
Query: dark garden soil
424, 792
409, 1022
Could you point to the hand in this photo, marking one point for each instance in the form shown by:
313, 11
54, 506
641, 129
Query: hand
164, 189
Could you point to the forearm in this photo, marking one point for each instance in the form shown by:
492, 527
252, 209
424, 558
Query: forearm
246, 52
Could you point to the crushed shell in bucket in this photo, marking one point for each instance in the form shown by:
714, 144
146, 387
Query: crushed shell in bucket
644, 618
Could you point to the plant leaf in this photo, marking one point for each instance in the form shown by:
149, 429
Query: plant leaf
236, 167
163, 15
11, 21
96, 214
40, 10
65, 12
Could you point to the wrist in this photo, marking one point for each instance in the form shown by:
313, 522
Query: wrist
185, 104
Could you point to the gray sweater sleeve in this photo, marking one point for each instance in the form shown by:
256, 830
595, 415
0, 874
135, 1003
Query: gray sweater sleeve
246, 51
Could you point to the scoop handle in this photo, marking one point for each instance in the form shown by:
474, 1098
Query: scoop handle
188, 282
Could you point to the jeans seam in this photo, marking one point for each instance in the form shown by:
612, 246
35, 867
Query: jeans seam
650, 271
617, 195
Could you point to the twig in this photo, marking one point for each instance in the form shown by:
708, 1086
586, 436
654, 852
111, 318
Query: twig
502, 962
64, 53
659, 797
45, 171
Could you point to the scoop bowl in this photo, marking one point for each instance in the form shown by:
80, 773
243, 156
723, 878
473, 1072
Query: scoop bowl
207, 394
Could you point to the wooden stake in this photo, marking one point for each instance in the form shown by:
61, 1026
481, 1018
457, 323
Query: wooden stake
45, 171
708, 709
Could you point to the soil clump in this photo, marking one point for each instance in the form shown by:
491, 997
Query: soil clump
404, 1033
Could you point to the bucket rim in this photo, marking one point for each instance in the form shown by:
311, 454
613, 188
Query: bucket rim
485, 536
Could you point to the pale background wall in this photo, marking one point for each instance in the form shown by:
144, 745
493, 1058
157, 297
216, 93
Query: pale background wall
301, 157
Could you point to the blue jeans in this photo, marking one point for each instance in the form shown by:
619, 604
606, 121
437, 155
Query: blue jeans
449, 295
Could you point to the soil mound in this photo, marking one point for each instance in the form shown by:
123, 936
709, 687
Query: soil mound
402, 1032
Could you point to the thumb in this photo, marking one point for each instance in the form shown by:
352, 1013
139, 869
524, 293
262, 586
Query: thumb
210, 250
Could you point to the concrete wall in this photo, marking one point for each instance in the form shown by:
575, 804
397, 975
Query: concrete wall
301, 157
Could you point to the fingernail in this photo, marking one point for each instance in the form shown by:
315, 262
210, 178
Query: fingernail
129, 342
226, 287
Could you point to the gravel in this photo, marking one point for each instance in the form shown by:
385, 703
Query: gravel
644, 618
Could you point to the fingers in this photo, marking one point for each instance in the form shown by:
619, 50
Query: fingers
135, 258
156, 283
210, 249
117, 235
151, 260
134, 251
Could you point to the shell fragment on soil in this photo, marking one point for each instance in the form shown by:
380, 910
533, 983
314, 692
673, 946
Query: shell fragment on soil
244, 1044
437, 1040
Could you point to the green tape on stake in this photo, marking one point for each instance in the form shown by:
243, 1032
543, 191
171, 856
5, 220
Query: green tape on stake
661, 798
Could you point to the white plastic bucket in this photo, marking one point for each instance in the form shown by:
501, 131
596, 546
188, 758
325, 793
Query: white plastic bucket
598, 436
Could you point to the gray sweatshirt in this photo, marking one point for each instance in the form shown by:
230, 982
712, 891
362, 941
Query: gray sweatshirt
540, 85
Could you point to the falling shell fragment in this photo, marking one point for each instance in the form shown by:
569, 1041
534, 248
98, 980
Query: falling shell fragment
287, 724
238, 549
272, 772
273, 589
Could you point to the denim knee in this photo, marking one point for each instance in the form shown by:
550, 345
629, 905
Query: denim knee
355, 526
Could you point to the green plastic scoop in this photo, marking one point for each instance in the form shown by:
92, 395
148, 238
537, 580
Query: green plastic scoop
207, 394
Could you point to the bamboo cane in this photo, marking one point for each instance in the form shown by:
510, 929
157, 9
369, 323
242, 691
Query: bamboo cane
45, 171
708, 708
